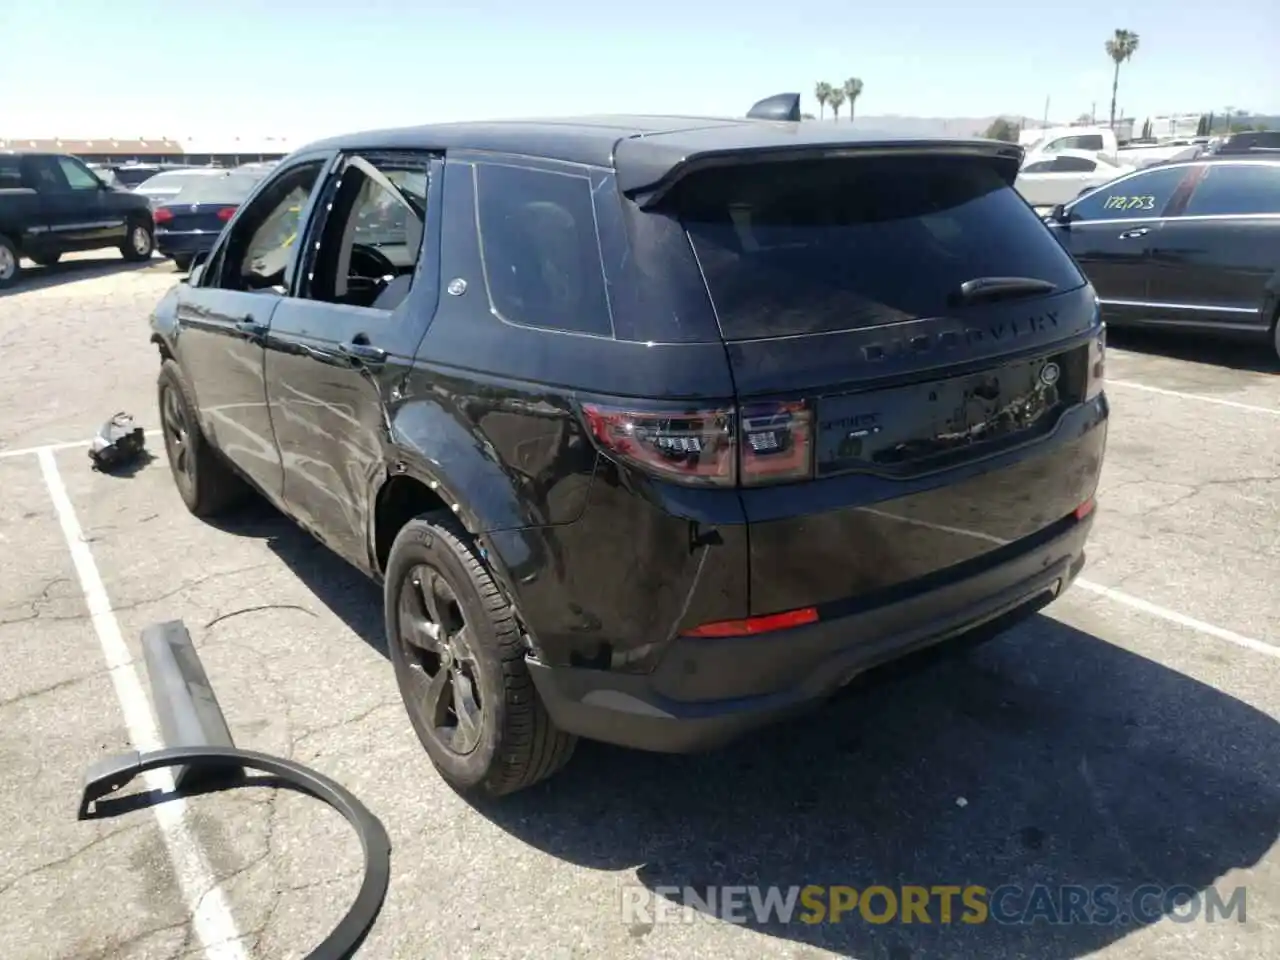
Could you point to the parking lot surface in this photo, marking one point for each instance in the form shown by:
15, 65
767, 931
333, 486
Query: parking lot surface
1127, 735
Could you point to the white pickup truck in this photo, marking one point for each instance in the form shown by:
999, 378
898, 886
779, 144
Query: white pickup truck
1100, 141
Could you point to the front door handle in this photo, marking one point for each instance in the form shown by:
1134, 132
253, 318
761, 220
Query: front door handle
365, 354
1134, 234
251, 329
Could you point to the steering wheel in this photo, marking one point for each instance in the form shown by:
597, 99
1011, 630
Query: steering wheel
370, 270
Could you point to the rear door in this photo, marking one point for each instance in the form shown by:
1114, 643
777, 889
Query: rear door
871, 386
339, 347
223, 321
1218, 252
1111, 232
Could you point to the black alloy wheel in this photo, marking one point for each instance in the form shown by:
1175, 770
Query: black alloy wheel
177, 439
436, 643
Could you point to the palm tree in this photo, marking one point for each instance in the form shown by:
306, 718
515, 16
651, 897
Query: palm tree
822, 93
1120, 48
836, 99
852, 90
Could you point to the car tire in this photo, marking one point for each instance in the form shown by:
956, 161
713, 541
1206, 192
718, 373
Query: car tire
1275, 333
205, 481
475, 658
46, 259
182, 261
10, 266
139, 242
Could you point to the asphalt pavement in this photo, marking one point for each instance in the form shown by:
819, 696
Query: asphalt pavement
1126, 736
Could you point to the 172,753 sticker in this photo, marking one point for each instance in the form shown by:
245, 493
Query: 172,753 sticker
1130, 203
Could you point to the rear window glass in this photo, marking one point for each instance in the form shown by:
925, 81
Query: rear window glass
231, 188
541, 253
819, 246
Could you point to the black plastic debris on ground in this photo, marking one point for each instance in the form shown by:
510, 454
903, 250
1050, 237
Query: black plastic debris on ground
198, 744
118, 443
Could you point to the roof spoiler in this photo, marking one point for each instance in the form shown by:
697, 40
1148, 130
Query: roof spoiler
781, 106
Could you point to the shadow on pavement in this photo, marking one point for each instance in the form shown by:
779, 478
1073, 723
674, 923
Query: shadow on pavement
353, 597
1257, 356
70, 271
1079, 764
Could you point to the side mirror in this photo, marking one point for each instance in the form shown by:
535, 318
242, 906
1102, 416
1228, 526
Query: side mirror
1059, 214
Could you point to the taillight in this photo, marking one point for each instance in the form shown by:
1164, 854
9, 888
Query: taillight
757, 443
1097, 364
694, 446
776, 442
226, 213
162, 215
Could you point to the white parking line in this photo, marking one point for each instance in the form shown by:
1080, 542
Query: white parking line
68, 445
1273, 411
211, 916
1182, 620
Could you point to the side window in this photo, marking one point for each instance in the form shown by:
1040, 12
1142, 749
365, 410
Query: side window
1236, 189
10, 172
1068, 164
41, 174
1087, 141
77, 174
1053, 146
1143, 195
1040, 166
372, 237
541, 252
258, 252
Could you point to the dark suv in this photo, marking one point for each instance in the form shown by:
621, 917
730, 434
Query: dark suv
655, 429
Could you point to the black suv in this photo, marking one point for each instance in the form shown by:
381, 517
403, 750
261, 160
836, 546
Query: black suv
655, 429
52, 203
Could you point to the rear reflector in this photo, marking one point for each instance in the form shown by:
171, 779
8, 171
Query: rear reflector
162, 215
1085, 508
756, 625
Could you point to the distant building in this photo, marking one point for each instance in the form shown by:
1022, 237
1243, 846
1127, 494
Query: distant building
219, 151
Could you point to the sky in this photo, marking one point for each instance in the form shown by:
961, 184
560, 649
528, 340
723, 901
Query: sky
133, 68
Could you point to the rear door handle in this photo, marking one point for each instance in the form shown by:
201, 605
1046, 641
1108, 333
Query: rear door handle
364, 353
1134, 234
251, 329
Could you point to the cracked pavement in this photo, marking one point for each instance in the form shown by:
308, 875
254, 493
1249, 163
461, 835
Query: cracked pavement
1094, 744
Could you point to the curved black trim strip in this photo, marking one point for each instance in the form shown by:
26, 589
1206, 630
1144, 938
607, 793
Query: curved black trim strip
111, 774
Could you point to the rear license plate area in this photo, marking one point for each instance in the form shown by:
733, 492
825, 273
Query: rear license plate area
929, 426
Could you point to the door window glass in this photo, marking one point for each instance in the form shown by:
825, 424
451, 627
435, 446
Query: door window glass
10, 172
1040, 166
260, 249
372, 238
1236, 189
78, 175
1142, 195
1069, 164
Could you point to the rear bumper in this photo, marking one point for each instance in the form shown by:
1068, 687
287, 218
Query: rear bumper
706, 692
184, 242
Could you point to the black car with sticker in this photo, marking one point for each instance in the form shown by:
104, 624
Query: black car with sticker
1192, 245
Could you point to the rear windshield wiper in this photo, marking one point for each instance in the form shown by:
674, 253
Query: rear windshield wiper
1000, 288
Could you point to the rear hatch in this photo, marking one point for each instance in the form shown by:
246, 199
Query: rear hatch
904, 337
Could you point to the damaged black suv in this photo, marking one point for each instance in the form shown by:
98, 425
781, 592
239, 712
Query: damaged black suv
655, 429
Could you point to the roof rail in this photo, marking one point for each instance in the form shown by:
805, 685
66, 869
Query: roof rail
781, 106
